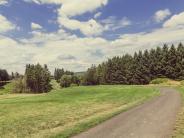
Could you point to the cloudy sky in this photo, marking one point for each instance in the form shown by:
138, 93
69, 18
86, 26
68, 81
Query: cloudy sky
77, 33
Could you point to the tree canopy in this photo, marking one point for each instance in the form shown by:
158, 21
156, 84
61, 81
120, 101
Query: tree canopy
140, 68
37, 78
4, 75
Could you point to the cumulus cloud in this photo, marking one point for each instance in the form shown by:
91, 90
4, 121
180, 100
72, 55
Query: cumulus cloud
112, 23
45, 1
70, 8
78, 7
73, 7
176, 20
5, 25
2, 2
161, 15
35, 26
97, 15
77, 53
88, 28
63, 49
39, 37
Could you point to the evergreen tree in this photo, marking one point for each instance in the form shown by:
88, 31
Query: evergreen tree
37, 78
4, 75
140, 68
91, 78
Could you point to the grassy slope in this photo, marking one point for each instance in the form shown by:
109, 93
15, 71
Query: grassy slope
7, 88
64, 112
179, 129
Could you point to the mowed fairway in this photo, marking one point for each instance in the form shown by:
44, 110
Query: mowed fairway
66, 112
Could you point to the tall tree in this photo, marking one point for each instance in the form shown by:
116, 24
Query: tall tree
141, 68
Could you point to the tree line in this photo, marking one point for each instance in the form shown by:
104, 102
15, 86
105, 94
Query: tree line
141, 68
137, 69
66, 78
36, 79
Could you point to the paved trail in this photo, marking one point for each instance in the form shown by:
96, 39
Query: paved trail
154, 119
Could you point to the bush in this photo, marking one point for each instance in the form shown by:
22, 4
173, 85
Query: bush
73, 85
66, 81
4, 75
20, 86
159, 81
76, 80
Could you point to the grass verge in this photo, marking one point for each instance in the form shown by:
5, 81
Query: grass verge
66, 112
7, 88
179, 127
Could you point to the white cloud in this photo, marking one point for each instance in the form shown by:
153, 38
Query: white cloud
70, 8
77, 7
112, 23
2, 2
176, 20
79, 53
63, 49
88, 28
35, 26
73, 7
46, 1
39, 37
97, 15
161, 15
5, 25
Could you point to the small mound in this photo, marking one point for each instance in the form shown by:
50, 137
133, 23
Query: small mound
165, 81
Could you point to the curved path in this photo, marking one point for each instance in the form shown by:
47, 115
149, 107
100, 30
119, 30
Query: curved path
154, 119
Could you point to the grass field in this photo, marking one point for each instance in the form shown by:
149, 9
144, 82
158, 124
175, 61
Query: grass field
65, 112
179, 129
6, 89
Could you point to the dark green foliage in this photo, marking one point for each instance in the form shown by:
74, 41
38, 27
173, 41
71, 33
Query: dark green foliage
37, 78
58, 73
159, 81
66, 78
141, 68
4, 75
91, 77
76, 80
66, 81
20, 85
15, 75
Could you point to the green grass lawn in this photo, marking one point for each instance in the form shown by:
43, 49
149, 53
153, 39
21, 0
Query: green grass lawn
7, 88
66, 112
179, 129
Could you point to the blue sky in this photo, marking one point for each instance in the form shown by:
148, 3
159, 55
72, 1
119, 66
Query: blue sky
77, 33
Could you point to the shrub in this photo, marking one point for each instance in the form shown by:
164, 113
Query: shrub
76, 80
4, 75
159, 81
65, 81
20, 85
